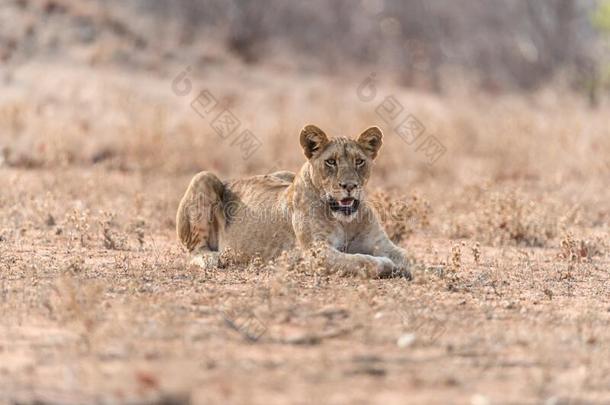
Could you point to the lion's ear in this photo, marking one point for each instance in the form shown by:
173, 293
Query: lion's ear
313, 139
370, 140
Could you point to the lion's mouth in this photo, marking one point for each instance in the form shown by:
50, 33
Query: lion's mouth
346, 206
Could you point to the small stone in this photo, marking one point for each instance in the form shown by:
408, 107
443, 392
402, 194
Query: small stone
406, 340
479, 399
551, 401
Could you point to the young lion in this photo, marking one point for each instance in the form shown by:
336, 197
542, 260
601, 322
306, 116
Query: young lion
323, 205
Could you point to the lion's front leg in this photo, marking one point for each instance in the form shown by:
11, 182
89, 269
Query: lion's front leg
357, 263
398, 256
333, 259
331, 243
376, 243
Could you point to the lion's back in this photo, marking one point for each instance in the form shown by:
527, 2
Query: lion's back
257, 215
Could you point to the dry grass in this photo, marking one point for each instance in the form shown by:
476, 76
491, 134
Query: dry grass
509, 233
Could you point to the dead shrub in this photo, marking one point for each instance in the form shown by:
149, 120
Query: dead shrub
401, 216
505, 218
78, 223
579, 250
111, 239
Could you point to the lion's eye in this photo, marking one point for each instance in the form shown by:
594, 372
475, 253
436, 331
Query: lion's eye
359, 162
330, 162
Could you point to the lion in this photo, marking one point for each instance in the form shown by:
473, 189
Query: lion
323, 206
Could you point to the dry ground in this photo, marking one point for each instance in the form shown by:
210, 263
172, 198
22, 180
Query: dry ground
508, 230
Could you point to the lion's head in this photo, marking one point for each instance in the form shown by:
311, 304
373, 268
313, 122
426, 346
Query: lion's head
341, 167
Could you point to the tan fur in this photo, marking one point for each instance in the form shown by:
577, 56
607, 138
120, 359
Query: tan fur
265, 215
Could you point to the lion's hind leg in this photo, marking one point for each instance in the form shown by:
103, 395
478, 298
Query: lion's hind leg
199, 218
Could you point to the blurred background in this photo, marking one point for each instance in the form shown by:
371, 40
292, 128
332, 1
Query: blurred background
512, 90
514, 45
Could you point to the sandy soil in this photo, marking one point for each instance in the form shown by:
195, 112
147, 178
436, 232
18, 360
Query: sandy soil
83, 322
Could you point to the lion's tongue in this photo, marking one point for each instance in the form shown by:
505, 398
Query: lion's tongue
346, 202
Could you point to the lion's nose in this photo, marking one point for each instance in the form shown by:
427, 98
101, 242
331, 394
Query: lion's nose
348, 186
